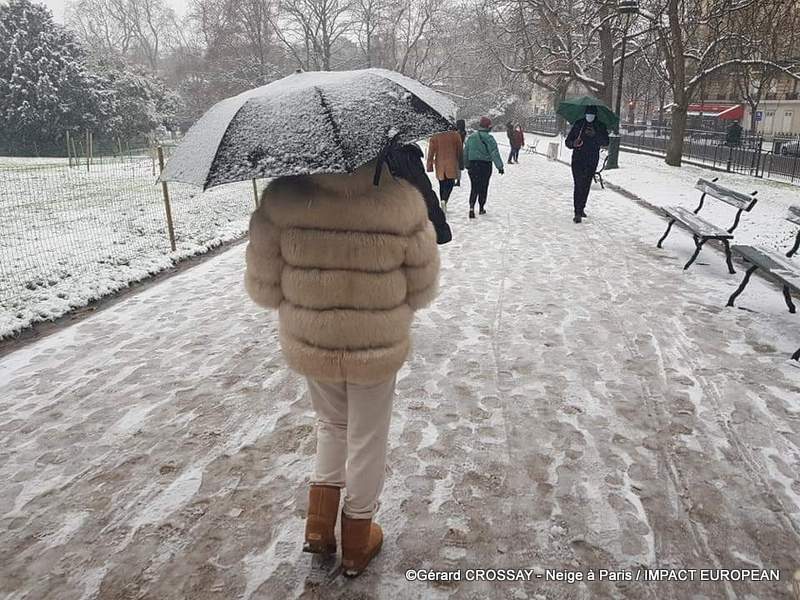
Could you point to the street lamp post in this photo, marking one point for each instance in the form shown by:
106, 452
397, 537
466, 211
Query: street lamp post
627, 9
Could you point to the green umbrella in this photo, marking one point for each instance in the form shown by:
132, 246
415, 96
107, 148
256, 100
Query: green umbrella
573, 109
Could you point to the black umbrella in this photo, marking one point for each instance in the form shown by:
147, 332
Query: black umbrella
306, 123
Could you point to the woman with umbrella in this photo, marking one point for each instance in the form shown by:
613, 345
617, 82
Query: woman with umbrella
346, 255
587, 136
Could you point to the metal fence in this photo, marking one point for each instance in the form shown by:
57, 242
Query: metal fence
69, 235
544, 124
751, 155
777, 158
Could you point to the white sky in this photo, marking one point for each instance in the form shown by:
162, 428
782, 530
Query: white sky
57, 6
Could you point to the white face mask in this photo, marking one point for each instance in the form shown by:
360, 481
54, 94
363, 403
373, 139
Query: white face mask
590, 118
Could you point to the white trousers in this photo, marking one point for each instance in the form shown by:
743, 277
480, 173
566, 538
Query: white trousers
352, 432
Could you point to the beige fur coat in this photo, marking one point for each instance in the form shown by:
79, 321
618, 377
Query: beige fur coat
346, 264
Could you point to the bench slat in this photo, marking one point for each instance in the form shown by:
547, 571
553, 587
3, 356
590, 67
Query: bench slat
697, 224
773, 262
794, 214
732, 197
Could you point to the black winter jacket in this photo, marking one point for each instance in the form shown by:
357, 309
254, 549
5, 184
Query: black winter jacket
406, 162
592, 137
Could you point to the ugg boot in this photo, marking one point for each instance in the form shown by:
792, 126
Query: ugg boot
361, 541
323, 508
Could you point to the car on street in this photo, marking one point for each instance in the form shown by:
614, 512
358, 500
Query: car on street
791, 148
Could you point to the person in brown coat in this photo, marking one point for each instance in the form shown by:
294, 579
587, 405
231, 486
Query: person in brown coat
446, 153
346, 263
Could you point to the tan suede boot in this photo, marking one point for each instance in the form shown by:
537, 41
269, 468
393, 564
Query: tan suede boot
361, 541
323, 508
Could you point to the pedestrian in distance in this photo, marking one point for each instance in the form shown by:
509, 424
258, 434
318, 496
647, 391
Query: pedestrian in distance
510, 136
517, 142
585, 139
461, 127
480, 151
346, 259
446, 156
733, 137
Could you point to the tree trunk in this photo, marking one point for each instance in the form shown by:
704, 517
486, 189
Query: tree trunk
680, 96
675, 147
753, 123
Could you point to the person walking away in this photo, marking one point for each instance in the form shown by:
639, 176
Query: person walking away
346, 263
585, 139
733, 136
445, 152
510, 136
518, 142
461, 127
480, 151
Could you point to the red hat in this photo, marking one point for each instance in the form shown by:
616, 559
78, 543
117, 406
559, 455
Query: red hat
486, 123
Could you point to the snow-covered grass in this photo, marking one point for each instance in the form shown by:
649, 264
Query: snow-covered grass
68, 236
659, 184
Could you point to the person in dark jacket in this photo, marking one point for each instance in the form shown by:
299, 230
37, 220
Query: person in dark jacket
734, 135
510, 136
480, 152
405, 161
585, 139
461, 126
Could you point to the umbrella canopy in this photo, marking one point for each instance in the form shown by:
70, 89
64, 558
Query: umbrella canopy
306, 123
573, 109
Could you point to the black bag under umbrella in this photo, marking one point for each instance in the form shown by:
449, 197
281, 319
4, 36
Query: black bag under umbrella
308, 123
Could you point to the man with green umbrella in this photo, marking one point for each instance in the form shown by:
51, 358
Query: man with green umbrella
587, 136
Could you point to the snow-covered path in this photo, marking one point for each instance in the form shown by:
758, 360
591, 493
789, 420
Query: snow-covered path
575, 401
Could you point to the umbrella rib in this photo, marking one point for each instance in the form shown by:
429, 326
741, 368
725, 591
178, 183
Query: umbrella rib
337, 134
207, 179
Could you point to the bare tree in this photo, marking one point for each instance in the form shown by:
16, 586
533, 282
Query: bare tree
134, 29
772, 28
316, 24
700, 40
368, 16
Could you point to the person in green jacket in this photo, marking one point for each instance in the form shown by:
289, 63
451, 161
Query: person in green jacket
480, 151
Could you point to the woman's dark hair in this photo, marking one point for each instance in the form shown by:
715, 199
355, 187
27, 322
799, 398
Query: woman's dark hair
461, 125
591, 110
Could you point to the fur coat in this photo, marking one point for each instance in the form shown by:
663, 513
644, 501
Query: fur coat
346, 264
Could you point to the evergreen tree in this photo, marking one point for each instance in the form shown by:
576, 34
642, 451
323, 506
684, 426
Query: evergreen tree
45, 86
142, 102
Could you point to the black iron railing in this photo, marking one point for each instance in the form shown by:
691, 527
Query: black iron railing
748, 155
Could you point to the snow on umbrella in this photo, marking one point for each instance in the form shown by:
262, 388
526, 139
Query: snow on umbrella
573, 109
306, 123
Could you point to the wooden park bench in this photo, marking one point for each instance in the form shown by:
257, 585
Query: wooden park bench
775, 265
703, 230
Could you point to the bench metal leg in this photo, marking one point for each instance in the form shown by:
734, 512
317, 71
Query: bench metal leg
699, 246
742, 285
602, 185
728, 257
796, 246
787, 295
666, 233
